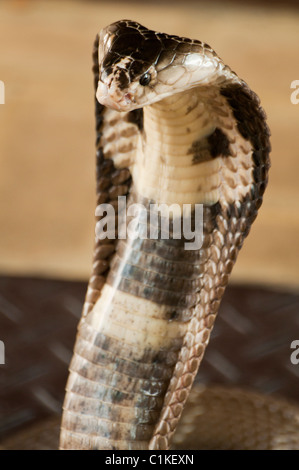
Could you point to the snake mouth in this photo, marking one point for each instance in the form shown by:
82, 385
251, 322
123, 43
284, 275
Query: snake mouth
113, 99
126, 102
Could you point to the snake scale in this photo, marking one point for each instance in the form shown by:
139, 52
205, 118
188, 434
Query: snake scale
175, 126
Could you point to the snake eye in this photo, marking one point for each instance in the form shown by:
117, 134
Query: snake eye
145, 79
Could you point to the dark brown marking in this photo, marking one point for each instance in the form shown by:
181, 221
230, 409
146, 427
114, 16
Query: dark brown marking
107, 429
162, 270
136, 117
124, 350
133, 368
111, 411
122, 78
219, 143
251, 123
200, 151
210, 147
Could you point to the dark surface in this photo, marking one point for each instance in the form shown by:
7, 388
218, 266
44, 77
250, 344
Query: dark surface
250, 345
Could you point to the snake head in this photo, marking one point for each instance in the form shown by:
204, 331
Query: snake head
127, 58
138, 66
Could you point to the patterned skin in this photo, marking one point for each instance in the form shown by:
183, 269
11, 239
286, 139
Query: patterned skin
174, 126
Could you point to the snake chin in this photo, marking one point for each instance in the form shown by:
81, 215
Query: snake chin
112, 99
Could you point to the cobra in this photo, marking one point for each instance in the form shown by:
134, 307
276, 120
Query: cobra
175, 125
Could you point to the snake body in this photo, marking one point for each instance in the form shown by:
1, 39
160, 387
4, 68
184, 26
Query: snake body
175, 126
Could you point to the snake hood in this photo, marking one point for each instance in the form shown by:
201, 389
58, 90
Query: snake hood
140, 66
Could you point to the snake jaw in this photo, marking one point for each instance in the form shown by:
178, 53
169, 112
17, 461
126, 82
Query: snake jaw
109, 95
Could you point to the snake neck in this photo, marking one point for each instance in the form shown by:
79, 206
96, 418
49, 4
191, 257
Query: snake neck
175, 139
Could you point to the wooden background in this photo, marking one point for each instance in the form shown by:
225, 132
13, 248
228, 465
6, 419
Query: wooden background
47, 128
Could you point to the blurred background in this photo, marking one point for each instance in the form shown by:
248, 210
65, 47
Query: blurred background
47, 178
47, 126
